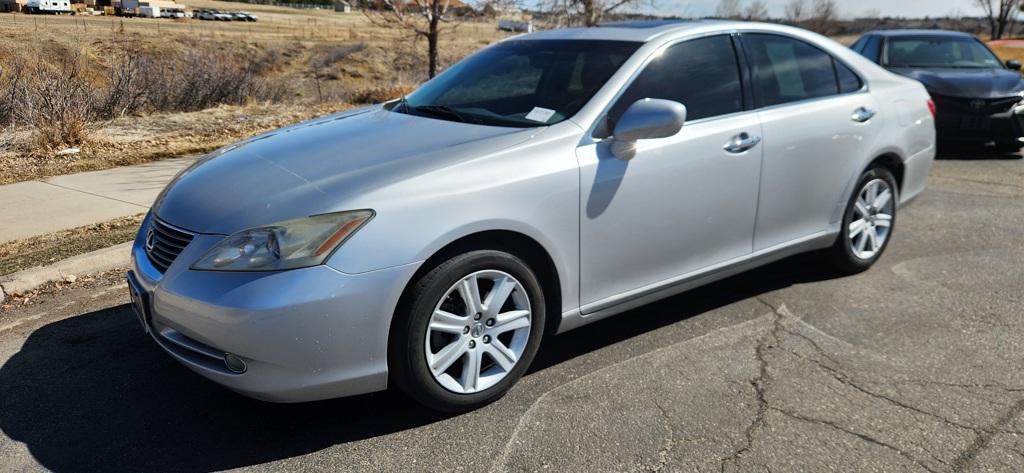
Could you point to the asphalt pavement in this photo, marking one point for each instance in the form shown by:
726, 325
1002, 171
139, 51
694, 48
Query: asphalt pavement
915, 365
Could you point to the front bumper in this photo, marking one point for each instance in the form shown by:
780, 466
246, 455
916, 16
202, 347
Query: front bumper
955, 122
304, 334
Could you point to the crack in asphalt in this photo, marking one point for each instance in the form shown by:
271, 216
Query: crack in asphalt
760, 387
670, 440
502, 458
980, 181
996, 386
772, 340
984, 440
862, 436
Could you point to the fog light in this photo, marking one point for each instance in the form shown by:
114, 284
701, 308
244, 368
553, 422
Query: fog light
234, 363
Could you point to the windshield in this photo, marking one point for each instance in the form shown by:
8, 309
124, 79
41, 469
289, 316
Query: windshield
523, 83
934, 51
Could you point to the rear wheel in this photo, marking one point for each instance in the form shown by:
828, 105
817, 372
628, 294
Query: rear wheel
867, 223
467, 331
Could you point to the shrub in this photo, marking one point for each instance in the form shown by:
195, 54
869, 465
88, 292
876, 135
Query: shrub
380, 93
58, 102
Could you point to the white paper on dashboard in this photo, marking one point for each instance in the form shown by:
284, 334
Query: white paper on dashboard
539, 114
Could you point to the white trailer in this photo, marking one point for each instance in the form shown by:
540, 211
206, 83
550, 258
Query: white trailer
58, 7
149, 12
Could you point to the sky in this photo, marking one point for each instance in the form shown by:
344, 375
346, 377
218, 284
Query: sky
848, 8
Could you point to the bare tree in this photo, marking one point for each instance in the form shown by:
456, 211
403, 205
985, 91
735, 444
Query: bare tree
423, 18
796, 11
729, 9
756, 11
590, 12
823, 17
1000, 15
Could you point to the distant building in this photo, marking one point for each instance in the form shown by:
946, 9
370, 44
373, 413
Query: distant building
133, 5
342, 7
12, 5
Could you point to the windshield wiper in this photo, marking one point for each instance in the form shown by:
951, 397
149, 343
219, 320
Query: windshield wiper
444, 111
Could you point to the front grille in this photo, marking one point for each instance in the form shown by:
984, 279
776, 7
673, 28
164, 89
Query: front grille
964, 106
164, 243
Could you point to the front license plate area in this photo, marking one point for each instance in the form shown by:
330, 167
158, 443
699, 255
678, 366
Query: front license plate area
976, 124
140, 302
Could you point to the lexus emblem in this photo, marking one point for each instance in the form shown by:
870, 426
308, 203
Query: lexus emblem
977, 104
149, 240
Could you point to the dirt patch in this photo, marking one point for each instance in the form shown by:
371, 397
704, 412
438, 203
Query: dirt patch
47, 249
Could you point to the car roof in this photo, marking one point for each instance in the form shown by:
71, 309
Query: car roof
641, 31
934, 33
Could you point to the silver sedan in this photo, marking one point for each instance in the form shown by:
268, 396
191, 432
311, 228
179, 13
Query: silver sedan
545, 182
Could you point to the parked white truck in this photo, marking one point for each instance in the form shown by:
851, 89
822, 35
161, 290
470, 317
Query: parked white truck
57, 7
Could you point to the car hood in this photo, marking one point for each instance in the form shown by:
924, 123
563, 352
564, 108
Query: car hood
318, 167
967, 83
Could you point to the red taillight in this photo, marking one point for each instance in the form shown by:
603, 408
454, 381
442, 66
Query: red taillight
931, 107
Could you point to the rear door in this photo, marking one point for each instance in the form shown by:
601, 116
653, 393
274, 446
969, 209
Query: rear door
817, 120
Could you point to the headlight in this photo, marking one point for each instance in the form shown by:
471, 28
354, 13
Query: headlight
286, 245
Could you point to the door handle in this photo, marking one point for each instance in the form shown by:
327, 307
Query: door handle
741, 142
862, 115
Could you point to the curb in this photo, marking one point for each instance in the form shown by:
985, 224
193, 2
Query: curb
88, 263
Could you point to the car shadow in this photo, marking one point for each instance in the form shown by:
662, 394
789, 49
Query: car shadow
90, 393
960, 152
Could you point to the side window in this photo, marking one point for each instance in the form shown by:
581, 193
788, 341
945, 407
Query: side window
702, 74
848, 80
858, 46
789, 70
873, 48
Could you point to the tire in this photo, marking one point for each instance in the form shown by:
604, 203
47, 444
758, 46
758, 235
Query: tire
432, 313
850, 253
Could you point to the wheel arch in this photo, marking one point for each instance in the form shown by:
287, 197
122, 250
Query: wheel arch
892, 163
889, 160
519, 244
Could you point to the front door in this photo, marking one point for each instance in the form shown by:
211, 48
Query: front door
682, 203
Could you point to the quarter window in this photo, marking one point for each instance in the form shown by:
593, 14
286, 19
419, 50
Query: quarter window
702, 74
848, 80
789, 70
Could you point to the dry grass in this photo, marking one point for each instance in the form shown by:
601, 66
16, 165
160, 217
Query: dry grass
46, 249
289, 66
134, 140
381, 93
1007, 53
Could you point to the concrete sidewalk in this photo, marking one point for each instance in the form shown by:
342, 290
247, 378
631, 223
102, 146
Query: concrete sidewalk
37, 207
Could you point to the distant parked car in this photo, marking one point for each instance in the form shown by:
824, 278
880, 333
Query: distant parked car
246, 16
979, 98
543, 183
223, 16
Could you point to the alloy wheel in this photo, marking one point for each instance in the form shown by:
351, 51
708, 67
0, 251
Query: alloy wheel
872, 219
478, 331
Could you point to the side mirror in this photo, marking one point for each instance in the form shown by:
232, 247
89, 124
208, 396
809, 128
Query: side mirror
646, 119
1013, 64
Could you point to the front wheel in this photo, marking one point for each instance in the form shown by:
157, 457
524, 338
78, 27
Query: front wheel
867, 223
467, 330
